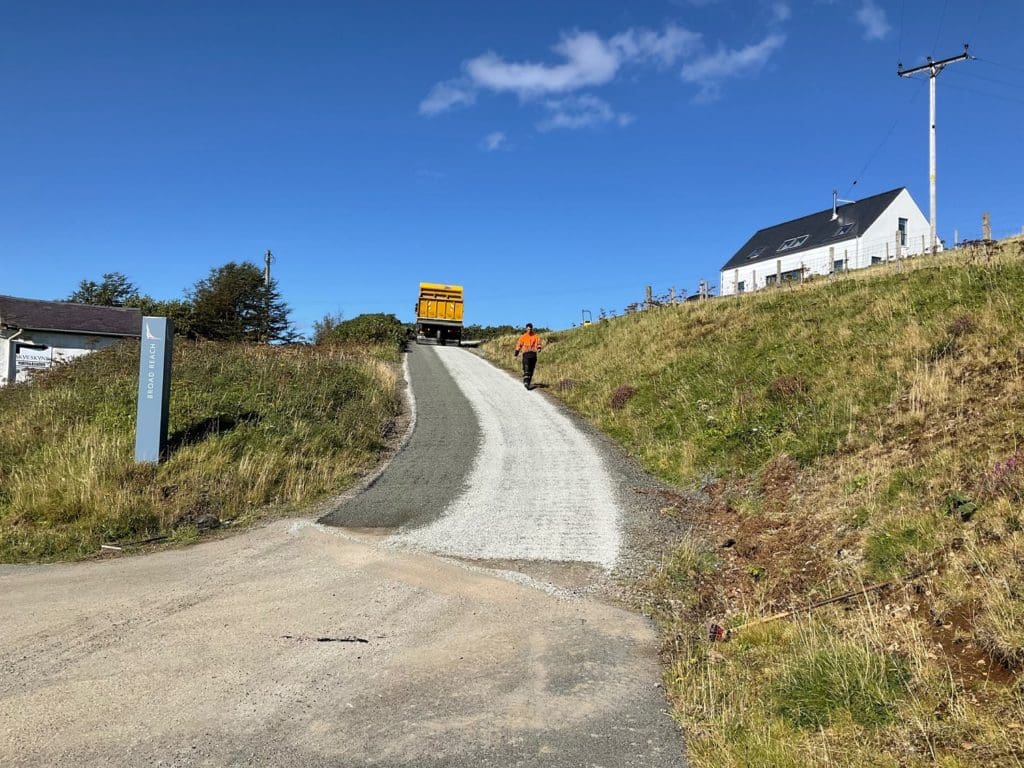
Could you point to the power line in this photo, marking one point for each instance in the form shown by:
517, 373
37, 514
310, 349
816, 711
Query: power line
998, 64
988, 79
888, 134
984, 93
903, 12
938, 32
981, 11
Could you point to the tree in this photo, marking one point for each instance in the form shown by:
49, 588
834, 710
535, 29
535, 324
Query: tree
114, 290
234, 304
178, 310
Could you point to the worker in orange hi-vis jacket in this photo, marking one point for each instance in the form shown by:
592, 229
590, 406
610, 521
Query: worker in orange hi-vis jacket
529, 344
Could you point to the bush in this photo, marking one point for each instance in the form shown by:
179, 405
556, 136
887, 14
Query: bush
376, 328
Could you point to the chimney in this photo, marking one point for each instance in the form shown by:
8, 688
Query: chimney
835, 205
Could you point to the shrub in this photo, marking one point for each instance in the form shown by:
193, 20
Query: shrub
376, 328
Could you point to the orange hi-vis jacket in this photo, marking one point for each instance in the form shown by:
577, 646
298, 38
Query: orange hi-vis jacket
529, 342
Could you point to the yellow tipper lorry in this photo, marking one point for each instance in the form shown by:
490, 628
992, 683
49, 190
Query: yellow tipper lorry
439, 314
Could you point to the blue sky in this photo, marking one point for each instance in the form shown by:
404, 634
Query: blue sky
549, 156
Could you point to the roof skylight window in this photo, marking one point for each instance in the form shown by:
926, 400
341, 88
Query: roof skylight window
793, 242
756, 253
843, 230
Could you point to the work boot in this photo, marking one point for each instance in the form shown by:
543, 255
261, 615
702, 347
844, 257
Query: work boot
526, 384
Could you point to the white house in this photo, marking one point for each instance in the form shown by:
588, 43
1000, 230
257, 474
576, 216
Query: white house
39, 334
850, 236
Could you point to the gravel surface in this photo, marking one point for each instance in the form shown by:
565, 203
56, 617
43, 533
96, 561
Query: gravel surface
248, 651
538, 489
432, 467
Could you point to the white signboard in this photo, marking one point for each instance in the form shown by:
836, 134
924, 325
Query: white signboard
32, 358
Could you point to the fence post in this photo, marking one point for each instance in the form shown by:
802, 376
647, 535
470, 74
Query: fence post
986, 227
923, 246
648, 297
831, 259
778, 271
846, 260
887, 251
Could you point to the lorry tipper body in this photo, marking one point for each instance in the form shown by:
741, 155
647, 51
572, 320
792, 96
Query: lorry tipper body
439, 314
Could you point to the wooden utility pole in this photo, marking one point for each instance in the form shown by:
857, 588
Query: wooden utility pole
932, 68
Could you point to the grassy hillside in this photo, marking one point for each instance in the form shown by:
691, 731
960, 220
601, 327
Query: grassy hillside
249, 427
838, 434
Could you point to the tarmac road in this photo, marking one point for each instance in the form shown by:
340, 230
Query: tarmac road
249, 650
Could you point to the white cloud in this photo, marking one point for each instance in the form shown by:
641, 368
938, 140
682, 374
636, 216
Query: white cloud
873, 19
494, 141
583, 111
587, 60
781, 11
661, 48
708, 71
446, 95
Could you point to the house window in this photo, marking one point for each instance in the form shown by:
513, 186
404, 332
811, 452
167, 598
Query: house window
741, 286
876, 259
792, 276
843, 230
793, 242
903, 231
838, 265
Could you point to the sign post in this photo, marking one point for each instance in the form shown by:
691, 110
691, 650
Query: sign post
154, 388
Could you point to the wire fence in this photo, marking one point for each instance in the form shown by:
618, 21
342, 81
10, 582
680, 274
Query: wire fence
914, 251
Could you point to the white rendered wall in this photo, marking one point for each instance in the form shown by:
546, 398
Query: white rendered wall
60, 348
877, 244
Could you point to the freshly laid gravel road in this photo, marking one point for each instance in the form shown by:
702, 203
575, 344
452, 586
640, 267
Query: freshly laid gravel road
300, 644
538, 489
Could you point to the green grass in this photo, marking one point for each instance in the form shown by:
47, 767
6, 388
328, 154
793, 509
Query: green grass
847, 431
250, 428
818, 687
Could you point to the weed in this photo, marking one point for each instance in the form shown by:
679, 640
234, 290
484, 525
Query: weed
960, 506
890, 548
620, 397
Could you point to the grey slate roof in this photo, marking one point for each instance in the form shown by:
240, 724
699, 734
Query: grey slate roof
819, 227
36, 315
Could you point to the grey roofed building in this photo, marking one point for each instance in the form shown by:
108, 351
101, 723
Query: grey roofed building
63, 317
820, 228
36, 335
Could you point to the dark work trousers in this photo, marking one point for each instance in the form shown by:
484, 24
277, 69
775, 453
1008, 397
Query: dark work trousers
529, 363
